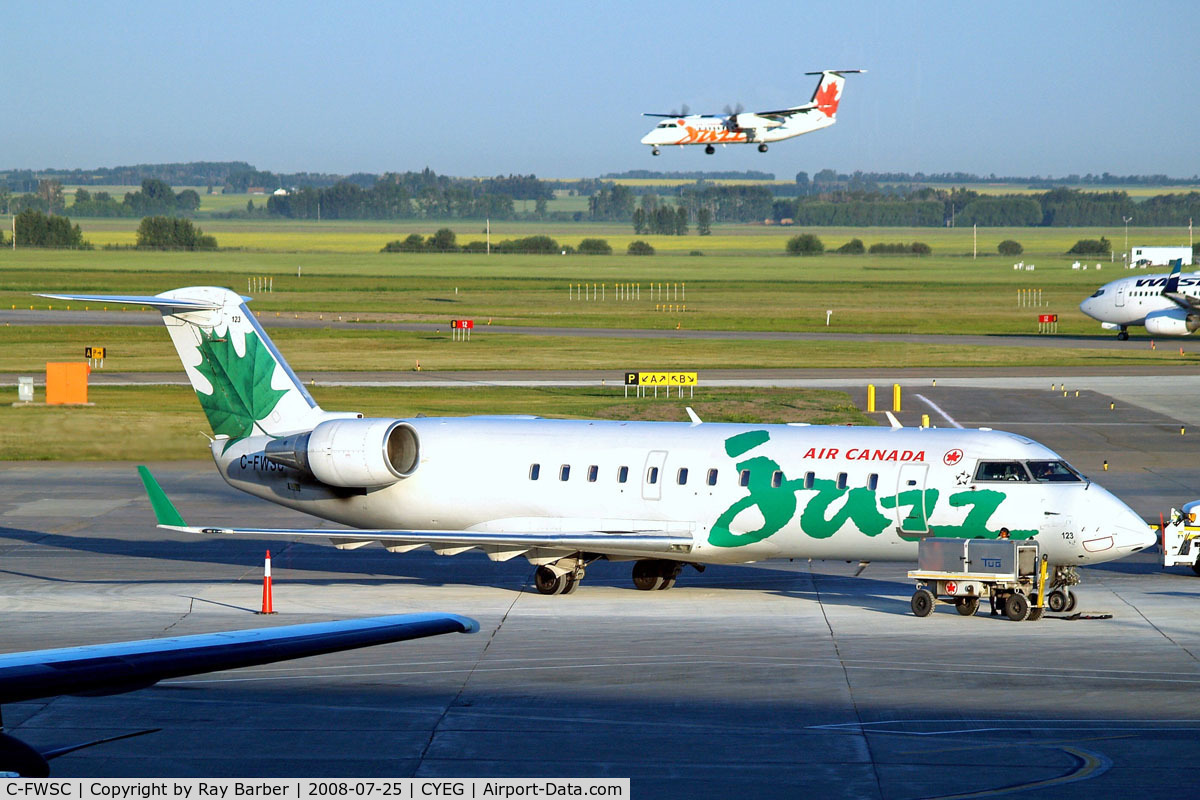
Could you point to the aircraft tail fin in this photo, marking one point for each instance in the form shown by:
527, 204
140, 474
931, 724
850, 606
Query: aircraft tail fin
241, 380
1172, 286
828, 94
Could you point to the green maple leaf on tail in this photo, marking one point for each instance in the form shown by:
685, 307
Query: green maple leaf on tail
242, 393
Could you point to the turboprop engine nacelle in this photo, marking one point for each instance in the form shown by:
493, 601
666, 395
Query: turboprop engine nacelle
1172, 323
353, 453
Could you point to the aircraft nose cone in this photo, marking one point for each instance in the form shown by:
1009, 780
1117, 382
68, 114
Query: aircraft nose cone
1087, 307
1130, 532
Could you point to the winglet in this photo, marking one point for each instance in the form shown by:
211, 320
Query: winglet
164, 510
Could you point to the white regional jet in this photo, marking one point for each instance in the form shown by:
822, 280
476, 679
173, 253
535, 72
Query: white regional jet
1167, 305
563, 493
738, 127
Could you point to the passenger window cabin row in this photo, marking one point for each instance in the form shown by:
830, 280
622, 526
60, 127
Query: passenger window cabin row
681, 476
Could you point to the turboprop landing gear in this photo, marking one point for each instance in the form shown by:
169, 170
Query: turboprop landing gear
653, 574
655, 151
561, 577
762, 148
1123, 335
710, 149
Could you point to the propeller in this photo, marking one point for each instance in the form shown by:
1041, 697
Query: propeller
731, 115
682, 111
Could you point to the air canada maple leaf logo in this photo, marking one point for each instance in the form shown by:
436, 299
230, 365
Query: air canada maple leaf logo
242, 393
827, 99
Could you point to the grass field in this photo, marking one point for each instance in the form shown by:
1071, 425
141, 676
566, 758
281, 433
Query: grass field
743, 282
368, 237
148, 349
164, 422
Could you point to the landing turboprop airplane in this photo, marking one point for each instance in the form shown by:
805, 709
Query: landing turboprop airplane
1167, 305
563, 493
747, 128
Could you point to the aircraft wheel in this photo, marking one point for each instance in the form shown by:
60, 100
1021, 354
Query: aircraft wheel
1072, 601
922, 602
1016, 607
1196, 568
1035, 613
670, 573
762, 148
1056, 601
1123, 336
655, 151
710, 149
547, 582
647, 575
573, 580
967, 606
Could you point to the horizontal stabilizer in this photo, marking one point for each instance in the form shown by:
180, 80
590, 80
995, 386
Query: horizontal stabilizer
153, 301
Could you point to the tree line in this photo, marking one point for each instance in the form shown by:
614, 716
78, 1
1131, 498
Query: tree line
155, 197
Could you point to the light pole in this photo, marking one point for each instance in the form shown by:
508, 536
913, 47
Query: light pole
1127, 221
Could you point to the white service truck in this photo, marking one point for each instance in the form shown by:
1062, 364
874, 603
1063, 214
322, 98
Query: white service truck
1181, 537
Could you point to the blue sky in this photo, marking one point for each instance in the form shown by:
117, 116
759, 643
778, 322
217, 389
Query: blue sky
557, 88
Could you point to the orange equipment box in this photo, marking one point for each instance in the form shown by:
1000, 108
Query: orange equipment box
66, 382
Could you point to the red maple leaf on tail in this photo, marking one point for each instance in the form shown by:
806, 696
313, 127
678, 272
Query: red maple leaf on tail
827, 99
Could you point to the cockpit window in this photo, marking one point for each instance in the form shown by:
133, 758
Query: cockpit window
666, 125
1001, 471
1098, 293
1053, 472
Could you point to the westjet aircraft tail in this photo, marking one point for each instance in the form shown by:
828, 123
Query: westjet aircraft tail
242, 382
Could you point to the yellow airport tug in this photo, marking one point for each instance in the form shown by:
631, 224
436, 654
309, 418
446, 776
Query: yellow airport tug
963, 571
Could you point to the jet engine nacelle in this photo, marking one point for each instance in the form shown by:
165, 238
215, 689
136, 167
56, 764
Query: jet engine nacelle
354, 453
1172, 323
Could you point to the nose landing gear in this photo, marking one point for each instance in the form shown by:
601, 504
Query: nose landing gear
762, 148
710, 149
655, 151
1123, 335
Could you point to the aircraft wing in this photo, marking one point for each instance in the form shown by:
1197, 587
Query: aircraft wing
499, 546
1171, 289
787, 112
103, 669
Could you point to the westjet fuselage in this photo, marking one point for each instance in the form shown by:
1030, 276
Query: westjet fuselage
1150, 301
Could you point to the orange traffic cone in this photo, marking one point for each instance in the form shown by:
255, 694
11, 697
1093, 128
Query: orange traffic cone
266, 601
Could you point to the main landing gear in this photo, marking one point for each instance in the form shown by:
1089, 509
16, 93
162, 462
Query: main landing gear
561, 577
650, 574
710, 149
1123, 335
654, 574
762, 148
